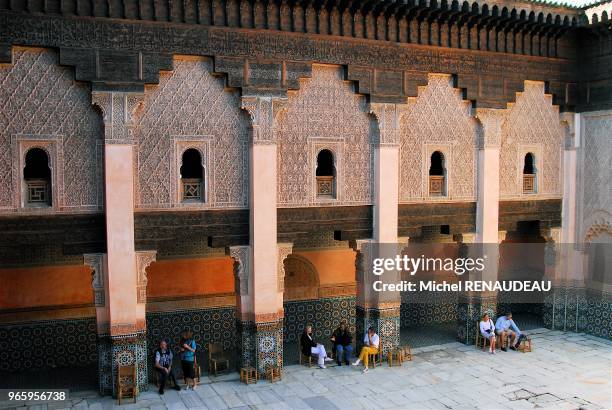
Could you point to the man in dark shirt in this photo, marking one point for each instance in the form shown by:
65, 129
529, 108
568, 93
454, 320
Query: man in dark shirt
163, 366
343, 340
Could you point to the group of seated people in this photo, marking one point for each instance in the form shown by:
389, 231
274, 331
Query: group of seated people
504, 328
164, 358
342, 345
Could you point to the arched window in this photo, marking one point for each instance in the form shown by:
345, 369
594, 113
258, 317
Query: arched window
437, 175
529, 174
37, 177
192, 176
326, 174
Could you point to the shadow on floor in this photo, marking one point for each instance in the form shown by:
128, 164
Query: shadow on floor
78, 378
429, 334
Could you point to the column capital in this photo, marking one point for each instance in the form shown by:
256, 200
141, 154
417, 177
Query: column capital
284, 250
264, 112
242, 256
143, 260
491, 120
96, 262
118, 112
388, 117
567, 120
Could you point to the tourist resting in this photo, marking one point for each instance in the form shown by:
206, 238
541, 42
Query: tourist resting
487, 330
188, 348
371, 344
506, 328
163, 366
342, 339
310, 347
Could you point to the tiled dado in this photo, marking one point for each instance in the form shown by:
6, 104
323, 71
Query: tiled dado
323, 314
469, 311
45, 344
261, 344
579, 310
122, 350
421, 308
216, 325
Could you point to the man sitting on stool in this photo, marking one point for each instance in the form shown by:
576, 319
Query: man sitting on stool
370, 342
342, 339
506, 328
163, 366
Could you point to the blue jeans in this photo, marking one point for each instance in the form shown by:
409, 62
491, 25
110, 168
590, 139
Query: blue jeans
340, 349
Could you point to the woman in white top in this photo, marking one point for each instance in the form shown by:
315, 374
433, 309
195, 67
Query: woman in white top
487, 330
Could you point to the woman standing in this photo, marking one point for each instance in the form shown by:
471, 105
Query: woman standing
188, 349
487, 330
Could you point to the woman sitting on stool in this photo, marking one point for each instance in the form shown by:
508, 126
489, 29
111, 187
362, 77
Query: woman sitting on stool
487, 330
310, 347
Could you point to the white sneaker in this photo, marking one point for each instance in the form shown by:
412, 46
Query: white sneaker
329, 359
366, 370
322, 366
356, 362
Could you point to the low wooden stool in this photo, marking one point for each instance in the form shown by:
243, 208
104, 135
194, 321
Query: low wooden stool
248, 375
406, 353
394, 357
273, 373
525, 345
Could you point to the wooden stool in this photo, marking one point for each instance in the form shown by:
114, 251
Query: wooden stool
394, 357
406, 353
525, 345
273, 373
248, 375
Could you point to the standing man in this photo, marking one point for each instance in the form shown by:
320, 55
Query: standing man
506, 329
163, 366
371, 345
343, 340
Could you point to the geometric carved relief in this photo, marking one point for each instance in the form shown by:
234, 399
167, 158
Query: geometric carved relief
532, 121
143, 260
242, 267
190, 101
324, 111
438, 119
41, 100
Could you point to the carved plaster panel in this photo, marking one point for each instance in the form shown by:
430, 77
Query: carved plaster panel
326, 108
242, 256
96, 262
40, 99
284, 250
190, 101
143, 260
532, 120
438, 117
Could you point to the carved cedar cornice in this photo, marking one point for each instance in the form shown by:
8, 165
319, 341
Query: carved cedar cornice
143, 260
96, 262
118, 110
242, 270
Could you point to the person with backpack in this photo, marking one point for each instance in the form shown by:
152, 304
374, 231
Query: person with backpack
163, 366
188, 349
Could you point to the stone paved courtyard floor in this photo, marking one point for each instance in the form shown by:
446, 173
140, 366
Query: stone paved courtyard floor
565, 371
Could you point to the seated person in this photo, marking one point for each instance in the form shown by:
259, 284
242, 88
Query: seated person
310, 347
487, 330
342, 339
163, 366
505, 327
370, 346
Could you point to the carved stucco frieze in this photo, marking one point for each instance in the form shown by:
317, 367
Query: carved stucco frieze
264, 112
532, 121
143, 260
42, 103
284, 250
388, 117
491, 121
242, 271
96, 262
118, 111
